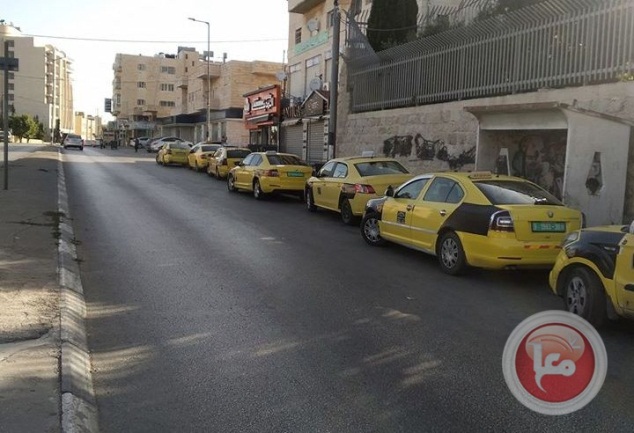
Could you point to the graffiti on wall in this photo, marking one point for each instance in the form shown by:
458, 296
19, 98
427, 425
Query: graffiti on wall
541, 162
427, 150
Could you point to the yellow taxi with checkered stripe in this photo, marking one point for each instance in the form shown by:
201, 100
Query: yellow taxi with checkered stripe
476, 219
269, 172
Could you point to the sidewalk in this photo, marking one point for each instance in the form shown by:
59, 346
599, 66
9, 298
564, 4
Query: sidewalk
33, 375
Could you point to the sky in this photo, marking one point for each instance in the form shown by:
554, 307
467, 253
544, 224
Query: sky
92, 32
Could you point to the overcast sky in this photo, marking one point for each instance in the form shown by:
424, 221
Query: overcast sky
91, 32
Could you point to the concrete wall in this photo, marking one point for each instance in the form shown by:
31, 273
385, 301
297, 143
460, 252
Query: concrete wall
442, 137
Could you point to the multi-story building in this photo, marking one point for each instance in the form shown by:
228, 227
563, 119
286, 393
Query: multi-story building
308, 74
42, 86
87, 125
168, 94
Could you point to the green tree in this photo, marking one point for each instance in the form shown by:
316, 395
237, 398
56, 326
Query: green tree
392, 23
22, 126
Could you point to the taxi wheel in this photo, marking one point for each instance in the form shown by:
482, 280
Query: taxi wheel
451, 254
231, 184
584, 295
370, 230
310, 202
346, 213
257, 191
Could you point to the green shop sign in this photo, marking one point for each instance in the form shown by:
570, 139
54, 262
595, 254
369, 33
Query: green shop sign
320, 39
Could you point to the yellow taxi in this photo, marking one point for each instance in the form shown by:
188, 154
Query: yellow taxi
475, 219
199, 155
345, 185
269, 172
594, 275
173, 153
224, 159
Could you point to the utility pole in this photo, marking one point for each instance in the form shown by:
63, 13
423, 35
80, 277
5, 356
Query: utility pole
334, 82
208, 76
8, 64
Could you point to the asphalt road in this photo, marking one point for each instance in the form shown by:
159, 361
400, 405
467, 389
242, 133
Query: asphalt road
211, 311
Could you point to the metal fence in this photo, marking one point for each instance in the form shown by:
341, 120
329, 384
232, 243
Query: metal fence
559, 43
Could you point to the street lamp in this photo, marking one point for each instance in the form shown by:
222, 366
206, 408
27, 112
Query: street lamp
208, 75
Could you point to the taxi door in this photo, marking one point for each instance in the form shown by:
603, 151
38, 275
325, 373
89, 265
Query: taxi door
332, 186
624, 273
439, 201
319, 184
242, 174
397, 211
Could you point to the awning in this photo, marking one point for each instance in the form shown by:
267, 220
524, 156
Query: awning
258, 119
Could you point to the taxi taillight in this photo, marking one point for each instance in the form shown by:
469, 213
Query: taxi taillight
502, 222
364, 189
271, 173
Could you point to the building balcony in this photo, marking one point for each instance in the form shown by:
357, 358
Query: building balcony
214, 70
182, 83
303, 6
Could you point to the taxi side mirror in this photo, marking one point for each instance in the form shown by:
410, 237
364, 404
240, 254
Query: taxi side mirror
631, 230
389, 192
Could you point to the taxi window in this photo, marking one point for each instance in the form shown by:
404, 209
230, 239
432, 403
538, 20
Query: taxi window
238, 153
340, 171
515, 192
326, 170
411, 190
179, 145
248, 159
257, 160
209, 148
377, 168
456, 194
439, 190
284, 160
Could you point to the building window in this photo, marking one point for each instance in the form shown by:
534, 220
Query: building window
167, 87
185, 69
10, 96
141, 67
295, 68
168, 104
11, 75
140, 102
298, 36
140, 85
11, 86
168, 70
329, 18
192, 63
313, 61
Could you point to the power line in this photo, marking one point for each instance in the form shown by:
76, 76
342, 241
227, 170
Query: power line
237, 41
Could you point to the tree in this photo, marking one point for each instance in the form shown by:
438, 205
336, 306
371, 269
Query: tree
392, 23
22, 126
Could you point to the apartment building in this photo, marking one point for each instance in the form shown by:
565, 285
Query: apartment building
169, 94
89, 127
42, 86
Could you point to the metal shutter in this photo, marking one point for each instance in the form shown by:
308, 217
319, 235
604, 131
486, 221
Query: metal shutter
293, 140
315, 147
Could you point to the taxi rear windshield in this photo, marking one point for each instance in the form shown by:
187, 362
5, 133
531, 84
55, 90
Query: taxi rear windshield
179, 145
238, 153
502, 192
284, 160
210, 148
378, 168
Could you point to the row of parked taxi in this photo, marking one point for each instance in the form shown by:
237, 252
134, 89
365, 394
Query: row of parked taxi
465, 219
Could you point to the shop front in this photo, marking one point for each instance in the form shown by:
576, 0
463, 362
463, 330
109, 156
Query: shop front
262, 117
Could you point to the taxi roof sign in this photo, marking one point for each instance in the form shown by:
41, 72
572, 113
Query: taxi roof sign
480, 175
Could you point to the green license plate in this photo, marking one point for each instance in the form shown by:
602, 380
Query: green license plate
549, 227
295, 174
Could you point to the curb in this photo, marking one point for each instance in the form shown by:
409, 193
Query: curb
79, 408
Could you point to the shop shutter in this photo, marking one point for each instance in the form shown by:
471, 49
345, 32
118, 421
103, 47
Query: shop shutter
315, 147
293, 140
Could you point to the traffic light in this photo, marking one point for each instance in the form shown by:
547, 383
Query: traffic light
108, 105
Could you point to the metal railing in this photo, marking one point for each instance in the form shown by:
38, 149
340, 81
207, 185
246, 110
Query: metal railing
559, 43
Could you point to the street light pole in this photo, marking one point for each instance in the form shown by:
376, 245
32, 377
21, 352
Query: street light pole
208, 117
